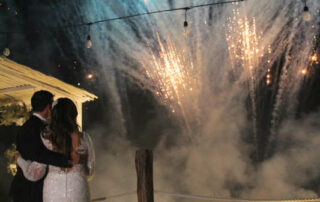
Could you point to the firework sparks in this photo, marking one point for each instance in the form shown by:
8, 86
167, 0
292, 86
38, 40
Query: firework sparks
245, 53
174, 79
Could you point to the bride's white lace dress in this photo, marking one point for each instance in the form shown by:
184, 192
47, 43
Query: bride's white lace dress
59, 185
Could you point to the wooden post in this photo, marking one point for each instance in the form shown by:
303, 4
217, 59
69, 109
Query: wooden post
144, 160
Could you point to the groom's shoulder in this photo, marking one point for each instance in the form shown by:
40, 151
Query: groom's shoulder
31, 122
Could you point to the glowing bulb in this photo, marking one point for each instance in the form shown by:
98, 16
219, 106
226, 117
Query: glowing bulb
6, 51
304, 71
185, 25
89, 76
306, 14
88, 42
314, 57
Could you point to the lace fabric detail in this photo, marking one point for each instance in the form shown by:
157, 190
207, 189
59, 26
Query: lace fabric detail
60, 186
33, 171
72, 185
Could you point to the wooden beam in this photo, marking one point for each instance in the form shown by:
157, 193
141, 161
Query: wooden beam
17, 88
144, 160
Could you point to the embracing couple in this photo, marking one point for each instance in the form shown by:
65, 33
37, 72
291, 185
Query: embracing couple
55, 158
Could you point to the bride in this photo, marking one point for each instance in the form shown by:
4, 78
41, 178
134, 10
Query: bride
64, 185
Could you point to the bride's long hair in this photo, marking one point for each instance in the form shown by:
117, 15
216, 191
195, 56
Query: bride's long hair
63, 123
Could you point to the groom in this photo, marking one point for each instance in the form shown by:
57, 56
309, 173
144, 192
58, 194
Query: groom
30, 147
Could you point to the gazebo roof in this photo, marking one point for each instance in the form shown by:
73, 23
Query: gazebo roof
19, 82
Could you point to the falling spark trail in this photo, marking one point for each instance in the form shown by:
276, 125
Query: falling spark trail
173, 79
245, 53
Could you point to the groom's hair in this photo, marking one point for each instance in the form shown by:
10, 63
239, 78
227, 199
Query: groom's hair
40, 100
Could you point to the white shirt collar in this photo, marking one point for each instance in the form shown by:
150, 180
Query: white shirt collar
39, 116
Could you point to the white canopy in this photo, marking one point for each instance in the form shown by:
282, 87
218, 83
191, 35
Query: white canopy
19, 82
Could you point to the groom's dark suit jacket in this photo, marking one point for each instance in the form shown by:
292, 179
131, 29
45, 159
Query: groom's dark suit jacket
30, 147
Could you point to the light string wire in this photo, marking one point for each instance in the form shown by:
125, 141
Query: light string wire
121, 18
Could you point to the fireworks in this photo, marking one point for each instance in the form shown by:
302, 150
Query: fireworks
173, 77
243, 43
314, 58
246, 53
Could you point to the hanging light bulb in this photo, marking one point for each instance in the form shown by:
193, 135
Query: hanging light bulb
185, 24
306, 13
88, 42
6, 51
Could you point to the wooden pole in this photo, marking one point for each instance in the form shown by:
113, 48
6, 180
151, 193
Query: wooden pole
144, 160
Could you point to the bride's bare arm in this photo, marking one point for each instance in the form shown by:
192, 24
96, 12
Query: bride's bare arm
75, 144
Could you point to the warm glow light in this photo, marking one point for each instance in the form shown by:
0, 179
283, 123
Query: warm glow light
185, 25
304, 71
172, 75
244, 43
246, 53
306, 14
6, 51
88, 42
89, 76
314, 57
268, 81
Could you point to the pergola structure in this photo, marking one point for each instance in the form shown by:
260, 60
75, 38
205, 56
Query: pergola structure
19, 82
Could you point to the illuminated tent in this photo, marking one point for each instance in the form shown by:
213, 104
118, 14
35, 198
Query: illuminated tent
19, 82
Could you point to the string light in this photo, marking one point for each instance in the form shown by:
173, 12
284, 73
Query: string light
89, 76
304, 71
88, 42
6, 50
306, 14
132, 16
185, 24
